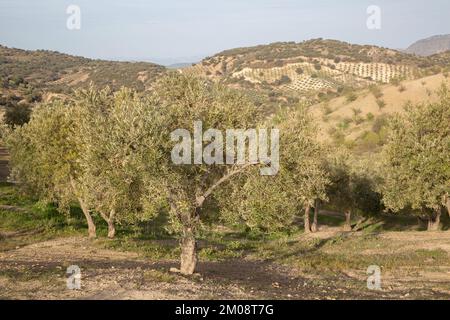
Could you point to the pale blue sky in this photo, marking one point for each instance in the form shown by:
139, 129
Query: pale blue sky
169, 31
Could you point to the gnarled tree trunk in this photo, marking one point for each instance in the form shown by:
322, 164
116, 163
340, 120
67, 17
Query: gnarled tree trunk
92, 233
306, 219
434, 221
110, 221
348, 220
111, 230
314, 226
90, 222
188, 252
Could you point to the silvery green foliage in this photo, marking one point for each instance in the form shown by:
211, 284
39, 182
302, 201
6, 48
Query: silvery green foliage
182, 100
43, 156
416, 158
114, 130
272, 203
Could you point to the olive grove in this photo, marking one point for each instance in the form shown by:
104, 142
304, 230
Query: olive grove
416, 160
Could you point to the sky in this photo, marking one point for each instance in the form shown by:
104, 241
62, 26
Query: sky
175, 31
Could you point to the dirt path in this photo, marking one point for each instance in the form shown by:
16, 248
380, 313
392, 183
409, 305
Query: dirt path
38, 271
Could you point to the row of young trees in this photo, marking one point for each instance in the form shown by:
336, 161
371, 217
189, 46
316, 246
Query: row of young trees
110, 152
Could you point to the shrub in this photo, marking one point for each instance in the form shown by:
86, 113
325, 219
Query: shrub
376, 91
283, 80
381, 103
356, 111
299, 71
395, 81
379, 123
17, 114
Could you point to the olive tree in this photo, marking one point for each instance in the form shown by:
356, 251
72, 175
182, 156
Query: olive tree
273, 202
114, 130
341, 190
416, 160
44, 157
184, 102
302, 159
354, 185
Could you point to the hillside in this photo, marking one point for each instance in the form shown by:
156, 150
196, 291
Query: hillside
29, 74
28, 77
314, 69
360, 122
430, 46
282, 73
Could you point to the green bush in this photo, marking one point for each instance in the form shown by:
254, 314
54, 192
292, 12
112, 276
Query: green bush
17, 114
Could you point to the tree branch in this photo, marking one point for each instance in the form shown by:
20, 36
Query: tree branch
201, 199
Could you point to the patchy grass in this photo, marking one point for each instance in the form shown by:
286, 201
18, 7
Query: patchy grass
24, 221
159, 276
329, 253
151, 249
349, 252
33, 274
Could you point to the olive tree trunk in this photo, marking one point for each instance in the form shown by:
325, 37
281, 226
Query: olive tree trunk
188, 259
314, 226
434, 221
190, 220
306, 219
92, 233
348, 220
111, 222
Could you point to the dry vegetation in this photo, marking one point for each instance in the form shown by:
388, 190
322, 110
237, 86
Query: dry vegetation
360, 122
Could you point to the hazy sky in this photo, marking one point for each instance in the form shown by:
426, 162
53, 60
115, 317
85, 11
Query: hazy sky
168, 31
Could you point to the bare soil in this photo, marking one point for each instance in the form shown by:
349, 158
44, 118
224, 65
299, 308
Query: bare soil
38, 271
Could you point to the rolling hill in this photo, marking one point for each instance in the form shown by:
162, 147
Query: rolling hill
282, 73
313, 70
430, 46
32, 75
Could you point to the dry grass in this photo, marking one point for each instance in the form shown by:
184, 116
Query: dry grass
416, 91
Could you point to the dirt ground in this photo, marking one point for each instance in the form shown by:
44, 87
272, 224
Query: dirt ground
38, 271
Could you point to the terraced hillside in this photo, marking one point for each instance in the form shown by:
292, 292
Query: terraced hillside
315, 66
306, 76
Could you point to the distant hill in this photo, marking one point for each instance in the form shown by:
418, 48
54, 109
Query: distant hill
277, 74
314, 69
28, 77
180, 65
430, 46
59, 73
